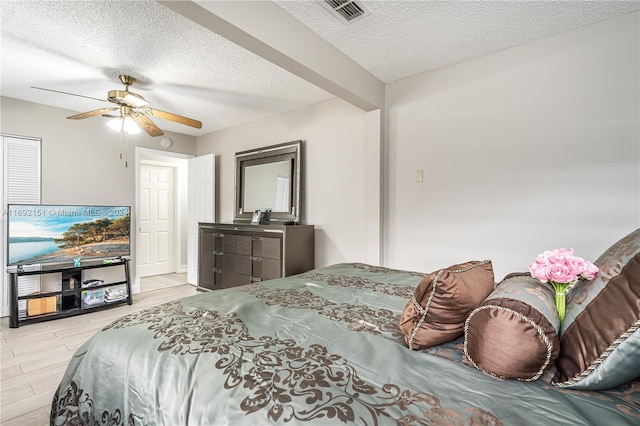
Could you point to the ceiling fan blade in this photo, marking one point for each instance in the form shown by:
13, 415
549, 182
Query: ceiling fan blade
92, 113
148, 125
174, 117
72, 94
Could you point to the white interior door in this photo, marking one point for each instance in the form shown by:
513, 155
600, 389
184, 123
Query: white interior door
201, 206
157, 220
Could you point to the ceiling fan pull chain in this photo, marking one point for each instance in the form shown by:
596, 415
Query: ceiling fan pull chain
126, 148
121, 143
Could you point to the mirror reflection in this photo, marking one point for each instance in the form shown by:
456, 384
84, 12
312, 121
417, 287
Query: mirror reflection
267, 187
269, 178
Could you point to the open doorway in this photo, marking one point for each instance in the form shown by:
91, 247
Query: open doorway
160, 219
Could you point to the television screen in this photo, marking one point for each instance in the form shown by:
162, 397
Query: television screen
39, 233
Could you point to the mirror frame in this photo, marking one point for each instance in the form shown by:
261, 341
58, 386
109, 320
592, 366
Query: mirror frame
289, 151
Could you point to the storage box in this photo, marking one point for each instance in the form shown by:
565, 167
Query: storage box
92, 297
42, 305
115, 293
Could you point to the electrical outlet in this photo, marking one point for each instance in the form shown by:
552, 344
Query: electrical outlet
419, 175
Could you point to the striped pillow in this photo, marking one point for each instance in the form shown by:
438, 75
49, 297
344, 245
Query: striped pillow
600, 336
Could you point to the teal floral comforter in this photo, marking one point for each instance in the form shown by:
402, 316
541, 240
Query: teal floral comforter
319, 348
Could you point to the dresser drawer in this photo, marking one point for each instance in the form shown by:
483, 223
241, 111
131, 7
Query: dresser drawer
232, 255
266, 269
267, 247
210, 278
210, 240
243, 264
243, 244
212, 259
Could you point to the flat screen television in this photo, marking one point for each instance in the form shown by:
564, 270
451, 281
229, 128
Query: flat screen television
45, 233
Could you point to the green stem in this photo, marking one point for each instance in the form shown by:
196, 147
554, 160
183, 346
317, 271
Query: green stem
561, 305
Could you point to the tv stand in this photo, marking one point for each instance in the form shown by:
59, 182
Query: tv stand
64, 291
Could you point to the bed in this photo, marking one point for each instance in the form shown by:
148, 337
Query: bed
323, 347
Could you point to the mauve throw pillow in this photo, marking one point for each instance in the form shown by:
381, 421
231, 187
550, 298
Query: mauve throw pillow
514, 334
600, 336
441, 302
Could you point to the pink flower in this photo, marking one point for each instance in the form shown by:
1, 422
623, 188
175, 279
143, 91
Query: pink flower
538, 270
590, 272
561, 266
557, 255
560, 273
561, 269
576, 265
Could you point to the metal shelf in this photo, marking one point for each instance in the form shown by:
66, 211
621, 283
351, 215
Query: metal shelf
18, 318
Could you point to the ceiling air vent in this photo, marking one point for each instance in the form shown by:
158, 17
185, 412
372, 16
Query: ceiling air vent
347, 11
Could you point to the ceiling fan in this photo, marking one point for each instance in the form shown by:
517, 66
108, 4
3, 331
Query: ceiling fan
131, 105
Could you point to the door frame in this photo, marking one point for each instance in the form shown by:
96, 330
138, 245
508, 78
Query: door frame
164, 158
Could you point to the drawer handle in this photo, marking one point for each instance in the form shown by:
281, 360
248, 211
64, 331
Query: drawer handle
218, 235
256, 258
256, 238
218, 253
216, 270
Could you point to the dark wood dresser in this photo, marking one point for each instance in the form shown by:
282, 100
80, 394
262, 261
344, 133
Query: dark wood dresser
237, 254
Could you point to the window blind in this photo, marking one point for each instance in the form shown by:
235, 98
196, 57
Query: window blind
21, 184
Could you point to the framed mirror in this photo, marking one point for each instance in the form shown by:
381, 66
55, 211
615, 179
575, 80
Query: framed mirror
268, 179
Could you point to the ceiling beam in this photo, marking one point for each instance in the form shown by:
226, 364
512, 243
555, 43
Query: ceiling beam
267, 30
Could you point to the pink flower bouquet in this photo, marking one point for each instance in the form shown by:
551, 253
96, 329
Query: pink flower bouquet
561, 269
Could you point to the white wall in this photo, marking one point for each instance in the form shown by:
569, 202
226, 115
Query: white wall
81, 158
528, 149
334, 171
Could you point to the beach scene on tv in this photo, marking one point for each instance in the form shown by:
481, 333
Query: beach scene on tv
48, 233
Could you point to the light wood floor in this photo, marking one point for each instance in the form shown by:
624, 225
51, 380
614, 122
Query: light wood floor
162, 281
34, 356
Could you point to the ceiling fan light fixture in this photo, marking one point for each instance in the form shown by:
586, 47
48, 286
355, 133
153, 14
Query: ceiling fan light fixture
130, 126
126, 124
115, 124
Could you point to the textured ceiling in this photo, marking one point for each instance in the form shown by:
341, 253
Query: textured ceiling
404, 38
82, 46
